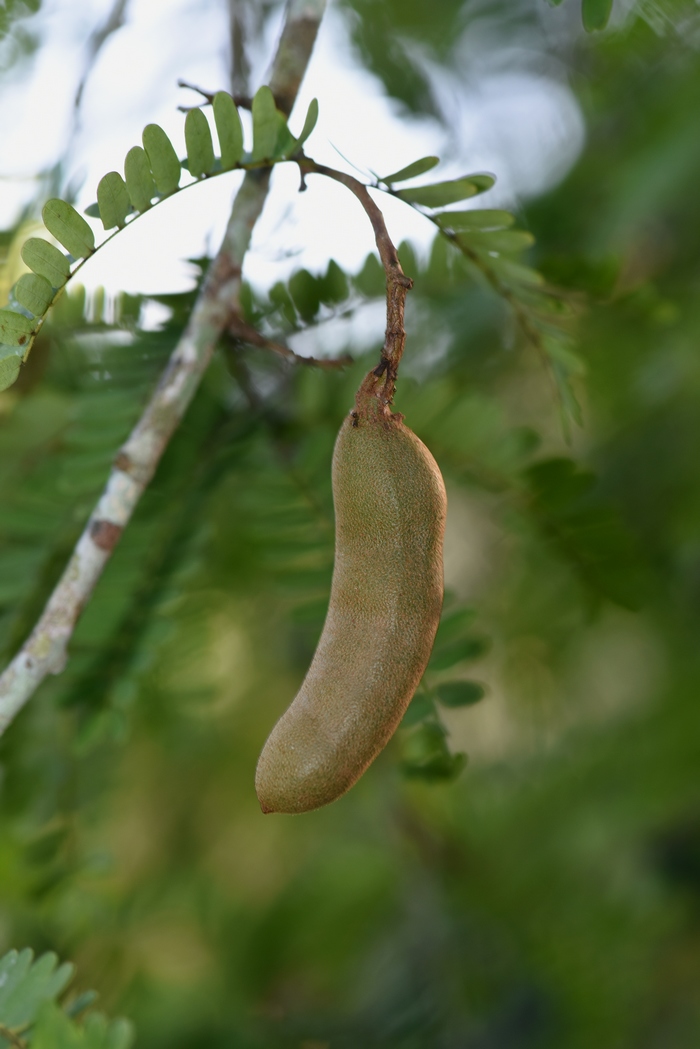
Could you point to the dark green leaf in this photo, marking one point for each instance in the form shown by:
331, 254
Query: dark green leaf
460, 693
139, 179
420, 707
113, 200
34, 293
454, 625
265, 124
595, 14
200, 149
305, 291
465, 649
10, 362
162, 158
479, 219
229, 130
418, 167
46, 260
68, 227
15, 328
333, 286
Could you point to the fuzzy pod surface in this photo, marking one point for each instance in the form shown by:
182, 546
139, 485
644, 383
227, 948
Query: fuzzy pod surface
384, 609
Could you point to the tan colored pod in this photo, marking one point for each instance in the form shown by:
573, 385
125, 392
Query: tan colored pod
384, 609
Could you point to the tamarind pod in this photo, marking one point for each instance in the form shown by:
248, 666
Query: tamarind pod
385, 603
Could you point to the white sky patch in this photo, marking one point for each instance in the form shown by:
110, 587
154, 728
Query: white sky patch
526, 128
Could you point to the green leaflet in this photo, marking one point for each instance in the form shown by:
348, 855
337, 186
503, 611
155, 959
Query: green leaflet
24, 986
460, 693
46, 260
450, 192
514, 272
498, 240
162, 158
265, 124
309, 122
15, 328
595, 14
113, 200
200, 151
10, 361
139, 180
229, 129
55, 1030
68, 227
418, 167
34, 293
484, 218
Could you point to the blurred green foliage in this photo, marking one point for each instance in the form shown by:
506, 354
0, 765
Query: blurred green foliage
547, 896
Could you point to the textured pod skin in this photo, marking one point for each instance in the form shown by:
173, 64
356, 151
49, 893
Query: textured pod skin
384, 609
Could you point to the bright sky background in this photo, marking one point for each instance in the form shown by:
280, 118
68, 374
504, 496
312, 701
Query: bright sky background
523, 125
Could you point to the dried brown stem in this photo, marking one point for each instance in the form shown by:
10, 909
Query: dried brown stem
246, 333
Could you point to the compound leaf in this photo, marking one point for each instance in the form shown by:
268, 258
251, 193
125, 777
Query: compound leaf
10, 361
418, 167
34, 293
200, 150
15, 328
139, 179
46, 260
482, 219
68, 227
309, 122
265, 124
229, 129
113, 200
595, 14
460, 693
441, 193
26, 985
162, 158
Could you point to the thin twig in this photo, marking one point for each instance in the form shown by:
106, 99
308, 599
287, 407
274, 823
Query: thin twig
45, 651
12, 1038
246, 333
242, 101
397, 283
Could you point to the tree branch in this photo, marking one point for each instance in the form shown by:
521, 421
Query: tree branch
45, 651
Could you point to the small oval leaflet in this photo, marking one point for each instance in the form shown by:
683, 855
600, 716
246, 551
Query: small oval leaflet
68, 227
229, 129
46, 260
139, 180
450, 192
113, 200
460, 693
418, 167
200, 150
512, 272
265, 124
479, 219
498, 240
34, 293
10, 362
163, 159
15, 328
